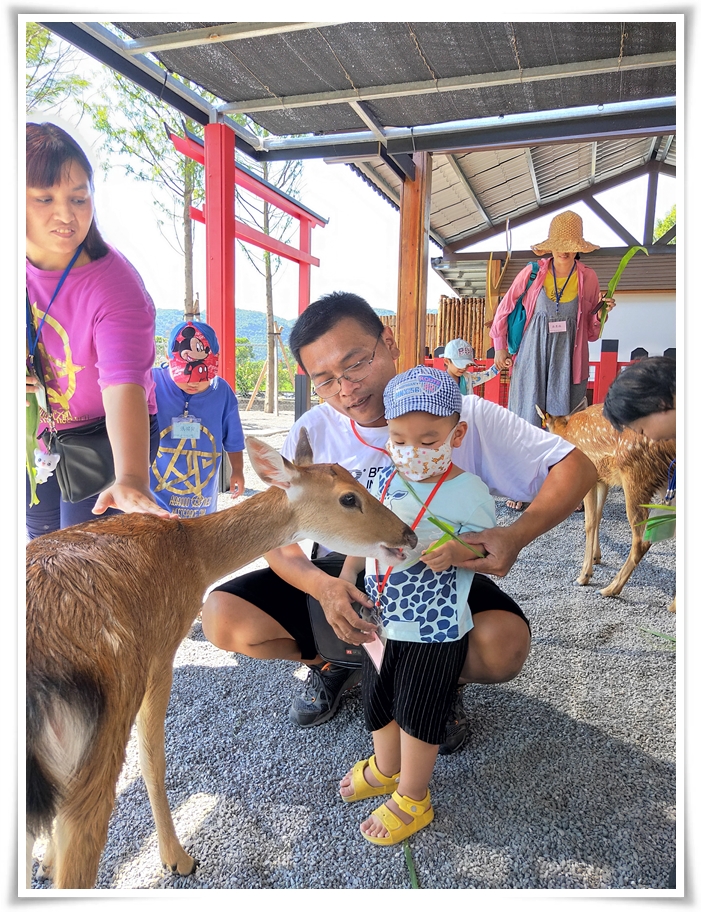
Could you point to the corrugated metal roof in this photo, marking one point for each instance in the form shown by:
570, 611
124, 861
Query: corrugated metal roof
467, 277
521, 118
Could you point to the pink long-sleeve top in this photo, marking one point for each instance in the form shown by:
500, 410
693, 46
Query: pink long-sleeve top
587, 329
99, 332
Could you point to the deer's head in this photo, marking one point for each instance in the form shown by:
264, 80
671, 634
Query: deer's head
329, 506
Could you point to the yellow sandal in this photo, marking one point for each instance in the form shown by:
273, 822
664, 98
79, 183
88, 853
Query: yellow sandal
362, 788
421, 811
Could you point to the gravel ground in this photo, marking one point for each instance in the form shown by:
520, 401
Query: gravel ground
567, 783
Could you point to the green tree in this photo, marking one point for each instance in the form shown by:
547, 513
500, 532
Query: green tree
161, 350
133, 123
663, 225
247, 368
50, 71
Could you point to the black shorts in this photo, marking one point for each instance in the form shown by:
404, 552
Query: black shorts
415, 687
288, 605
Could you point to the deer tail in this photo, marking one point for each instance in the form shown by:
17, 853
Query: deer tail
62, 720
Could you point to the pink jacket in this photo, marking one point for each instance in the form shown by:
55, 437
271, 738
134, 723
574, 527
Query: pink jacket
587, 329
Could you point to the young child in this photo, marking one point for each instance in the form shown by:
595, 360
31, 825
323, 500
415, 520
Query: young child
423, 605
198, 418
458, 356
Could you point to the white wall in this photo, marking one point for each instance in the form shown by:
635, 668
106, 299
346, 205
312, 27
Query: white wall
640, 321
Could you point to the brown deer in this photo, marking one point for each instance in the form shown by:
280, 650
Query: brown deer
108, 604
626, 460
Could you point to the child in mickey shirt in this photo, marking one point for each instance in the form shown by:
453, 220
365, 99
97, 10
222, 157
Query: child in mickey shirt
198, 418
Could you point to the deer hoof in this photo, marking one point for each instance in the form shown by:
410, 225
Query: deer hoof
609, 591
673, 605
583, 580
184, 866
44, 872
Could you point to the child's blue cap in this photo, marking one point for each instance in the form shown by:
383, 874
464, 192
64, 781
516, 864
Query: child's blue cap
422, 389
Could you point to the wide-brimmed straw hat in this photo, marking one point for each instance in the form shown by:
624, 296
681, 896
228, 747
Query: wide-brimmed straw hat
565, 236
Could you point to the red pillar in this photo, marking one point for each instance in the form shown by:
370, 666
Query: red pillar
305, 269
607, 370
219, 147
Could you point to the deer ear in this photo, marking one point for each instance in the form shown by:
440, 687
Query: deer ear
580, 408
269, 465
541, 413
303, 454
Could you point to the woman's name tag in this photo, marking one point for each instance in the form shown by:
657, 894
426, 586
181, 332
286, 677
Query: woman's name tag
557, 326
186, 428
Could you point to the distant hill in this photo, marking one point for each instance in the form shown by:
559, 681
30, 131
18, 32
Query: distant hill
250, 324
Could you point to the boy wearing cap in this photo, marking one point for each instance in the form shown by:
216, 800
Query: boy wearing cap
458, 356
198, 418
422, 605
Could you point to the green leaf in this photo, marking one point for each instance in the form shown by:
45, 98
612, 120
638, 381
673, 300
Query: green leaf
627, 256
659, 529
664, 636
31, 428
625, 259
443, 526
410, 865
441, 541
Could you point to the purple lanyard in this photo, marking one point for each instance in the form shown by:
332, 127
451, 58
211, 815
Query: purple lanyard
33, 345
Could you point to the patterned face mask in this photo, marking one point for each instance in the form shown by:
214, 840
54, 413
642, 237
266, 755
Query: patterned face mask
418, 463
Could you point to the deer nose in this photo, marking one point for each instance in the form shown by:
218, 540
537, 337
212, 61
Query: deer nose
410, 538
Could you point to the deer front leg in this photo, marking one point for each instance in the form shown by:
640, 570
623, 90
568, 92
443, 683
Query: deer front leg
602, 490
636, 514
591, 531
150, 723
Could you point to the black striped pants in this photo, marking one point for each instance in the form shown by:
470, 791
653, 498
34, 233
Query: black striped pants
415, 687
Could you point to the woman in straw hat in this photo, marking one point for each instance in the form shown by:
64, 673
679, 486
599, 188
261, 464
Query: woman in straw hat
562, 308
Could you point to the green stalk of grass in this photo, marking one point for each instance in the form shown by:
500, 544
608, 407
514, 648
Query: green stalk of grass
657, 524
447, 529
410, 866
664, 636
614, 282
31, 427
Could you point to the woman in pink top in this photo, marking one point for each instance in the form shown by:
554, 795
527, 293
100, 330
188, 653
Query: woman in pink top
96, 342
551, 368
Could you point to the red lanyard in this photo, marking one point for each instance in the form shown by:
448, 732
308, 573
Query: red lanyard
419, 517
365, 443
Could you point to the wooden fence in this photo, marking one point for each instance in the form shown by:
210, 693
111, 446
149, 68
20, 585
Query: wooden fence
457, 318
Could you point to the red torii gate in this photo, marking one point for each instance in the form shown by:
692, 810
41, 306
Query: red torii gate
221, 175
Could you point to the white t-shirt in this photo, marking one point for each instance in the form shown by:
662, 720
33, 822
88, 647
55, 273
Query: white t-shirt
511, 456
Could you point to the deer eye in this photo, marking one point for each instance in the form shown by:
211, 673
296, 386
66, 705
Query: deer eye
348, 500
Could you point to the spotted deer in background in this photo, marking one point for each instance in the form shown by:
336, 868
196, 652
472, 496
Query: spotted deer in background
628, 460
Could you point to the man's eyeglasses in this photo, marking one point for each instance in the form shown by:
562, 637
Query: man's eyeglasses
354, 374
